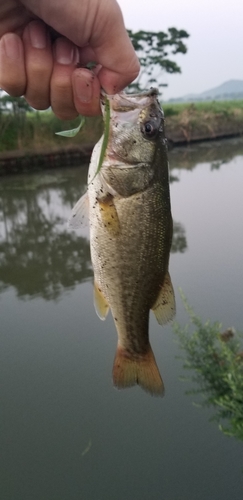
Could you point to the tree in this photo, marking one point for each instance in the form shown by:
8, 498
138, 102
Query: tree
12, 120
153, 49
13, 105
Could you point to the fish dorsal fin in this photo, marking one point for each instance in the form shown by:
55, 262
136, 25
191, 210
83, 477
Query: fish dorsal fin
100, 303
164, 307
80, 213
109, 215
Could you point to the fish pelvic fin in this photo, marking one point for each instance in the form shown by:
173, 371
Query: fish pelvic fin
164, 307
129, 370
80, 213
100, 303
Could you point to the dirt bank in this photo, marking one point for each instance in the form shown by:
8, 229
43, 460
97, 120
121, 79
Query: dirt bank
13, 162
201, 122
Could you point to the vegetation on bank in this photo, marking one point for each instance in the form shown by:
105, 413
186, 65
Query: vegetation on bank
215, 363
203, 120
21, 129
36, 130
224, 107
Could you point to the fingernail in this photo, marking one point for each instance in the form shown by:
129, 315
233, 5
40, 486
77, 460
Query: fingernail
11, 46
84, 85
65, 52
37, 32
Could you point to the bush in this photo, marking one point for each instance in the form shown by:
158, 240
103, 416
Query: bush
216, 361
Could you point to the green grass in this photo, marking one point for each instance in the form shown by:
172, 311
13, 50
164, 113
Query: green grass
36, 130
212, 106
215, 363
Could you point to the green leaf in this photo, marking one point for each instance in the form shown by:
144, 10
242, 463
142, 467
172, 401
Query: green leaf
106, 136
73, 131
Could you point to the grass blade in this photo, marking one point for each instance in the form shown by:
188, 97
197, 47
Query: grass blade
73, 131
106, 136
106, 133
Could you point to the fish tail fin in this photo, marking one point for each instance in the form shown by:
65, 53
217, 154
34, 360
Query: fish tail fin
129, 370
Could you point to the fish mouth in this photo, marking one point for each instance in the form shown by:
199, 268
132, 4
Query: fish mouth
127, 107
122, 100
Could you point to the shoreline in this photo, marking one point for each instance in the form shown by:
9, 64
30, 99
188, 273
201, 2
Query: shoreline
23, 161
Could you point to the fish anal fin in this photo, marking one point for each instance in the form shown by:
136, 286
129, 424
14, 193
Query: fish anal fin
109, 215
80, 213
164, 307
100, 303
129, 370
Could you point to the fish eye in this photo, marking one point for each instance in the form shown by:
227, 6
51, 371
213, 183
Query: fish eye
149, 130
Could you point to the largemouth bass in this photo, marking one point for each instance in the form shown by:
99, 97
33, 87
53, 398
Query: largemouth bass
130, 233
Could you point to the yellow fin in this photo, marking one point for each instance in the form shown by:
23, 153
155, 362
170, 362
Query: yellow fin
164, 307
129, 370
100, 303
109, 215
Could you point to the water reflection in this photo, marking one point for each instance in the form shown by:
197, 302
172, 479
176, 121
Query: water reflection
179, 243
216, 361
39, 255
216, 153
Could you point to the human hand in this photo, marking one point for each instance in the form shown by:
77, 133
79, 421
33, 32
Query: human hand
43, 44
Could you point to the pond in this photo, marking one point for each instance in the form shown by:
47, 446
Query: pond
66, 433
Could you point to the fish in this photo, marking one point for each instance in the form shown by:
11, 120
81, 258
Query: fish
128, 208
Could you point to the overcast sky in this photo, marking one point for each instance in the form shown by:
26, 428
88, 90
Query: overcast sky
215, 46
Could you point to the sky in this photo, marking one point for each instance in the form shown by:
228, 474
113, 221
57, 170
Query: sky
215, 46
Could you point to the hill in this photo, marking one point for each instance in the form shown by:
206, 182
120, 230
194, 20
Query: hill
232, 89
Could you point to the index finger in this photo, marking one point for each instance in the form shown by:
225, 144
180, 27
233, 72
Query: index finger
114, 51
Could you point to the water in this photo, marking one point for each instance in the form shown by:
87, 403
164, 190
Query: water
66, 433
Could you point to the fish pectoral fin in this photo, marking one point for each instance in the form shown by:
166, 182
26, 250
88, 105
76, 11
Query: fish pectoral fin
129, 370
80, 213
100, 303
109, 215
164, 307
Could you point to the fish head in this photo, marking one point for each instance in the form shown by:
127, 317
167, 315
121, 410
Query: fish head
136, 132
136, 126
